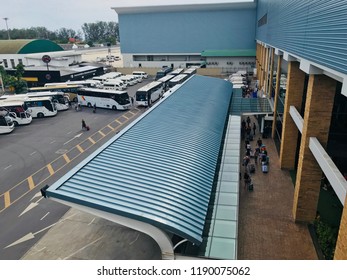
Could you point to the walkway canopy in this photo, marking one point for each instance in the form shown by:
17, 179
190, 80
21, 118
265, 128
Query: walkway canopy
161, 169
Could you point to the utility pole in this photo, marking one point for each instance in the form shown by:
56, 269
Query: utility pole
8, 32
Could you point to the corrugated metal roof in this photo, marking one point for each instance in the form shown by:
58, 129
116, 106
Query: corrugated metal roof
161, 169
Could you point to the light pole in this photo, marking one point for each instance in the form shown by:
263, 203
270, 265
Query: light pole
8, 32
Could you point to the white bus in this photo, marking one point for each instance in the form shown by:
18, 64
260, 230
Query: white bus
84, 83
177, 71
60, 99
6, 123
165, 80
37, 106
69, 90
40, 106
102, 98
179, 79
149, 93
16, 111
190, 71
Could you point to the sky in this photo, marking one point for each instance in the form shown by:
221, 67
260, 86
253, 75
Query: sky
72, 14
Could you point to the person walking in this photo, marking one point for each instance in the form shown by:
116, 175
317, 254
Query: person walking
254, 128
84, 126
94, 108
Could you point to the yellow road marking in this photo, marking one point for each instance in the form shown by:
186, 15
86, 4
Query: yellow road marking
124, 116
80, 148
7, 199
110, 126
31, 182
50, 169
91, 140
66, 158
118, 121
131, 113
102, 134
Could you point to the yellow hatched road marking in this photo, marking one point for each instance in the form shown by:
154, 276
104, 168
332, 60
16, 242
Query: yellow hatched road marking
66, 158
110, 126
124, 116
31, 182
91, 140
132, 113
50, 169
7, 199
102, 134
118, 121
80, 148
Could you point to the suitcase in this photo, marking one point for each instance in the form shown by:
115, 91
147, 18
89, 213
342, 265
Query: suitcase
250, 187
87, 127
265, 168
251, 168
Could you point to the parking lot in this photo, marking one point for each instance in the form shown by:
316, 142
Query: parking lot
40, 153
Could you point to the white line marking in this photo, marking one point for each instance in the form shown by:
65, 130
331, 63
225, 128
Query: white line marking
52, 142
79, 250
44, 216
91, 222
33, 153
7, 167
69, 132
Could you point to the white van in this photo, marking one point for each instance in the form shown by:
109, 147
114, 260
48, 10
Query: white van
129, 80
143, 75
114, 84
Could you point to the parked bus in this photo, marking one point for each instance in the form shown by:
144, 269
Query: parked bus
177, 71
163, 72
60, 99
190, 71
6, 123
165, 80
179, 79
102, 98
69, 90
84, 83
149, 93
16, 111
40, 106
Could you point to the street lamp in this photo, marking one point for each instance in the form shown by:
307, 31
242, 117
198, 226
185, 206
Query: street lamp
8, 32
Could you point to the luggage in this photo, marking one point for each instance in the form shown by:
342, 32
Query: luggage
87, 127
250, 187
251, 168
265, 168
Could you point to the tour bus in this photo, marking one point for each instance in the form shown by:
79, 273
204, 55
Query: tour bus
6, 123
149, 93
37, 106
163, 72
69, 90
102, 98
177, 71
16, 111
179, 79
60, 99
84, 83
190, 71
165, 80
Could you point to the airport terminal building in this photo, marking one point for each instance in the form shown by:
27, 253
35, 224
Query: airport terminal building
305, 40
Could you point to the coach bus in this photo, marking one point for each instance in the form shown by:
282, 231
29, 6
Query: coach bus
179, 79
60, 99
102, 98
6, 123
149, 93
16, 111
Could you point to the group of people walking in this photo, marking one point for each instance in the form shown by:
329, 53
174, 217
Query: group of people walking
258, 153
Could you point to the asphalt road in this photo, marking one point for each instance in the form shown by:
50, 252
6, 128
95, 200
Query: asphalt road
39, 154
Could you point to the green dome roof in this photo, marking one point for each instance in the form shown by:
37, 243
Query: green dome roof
28, 46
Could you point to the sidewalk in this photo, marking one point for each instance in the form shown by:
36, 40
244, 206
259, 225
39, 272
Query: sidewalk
266, 227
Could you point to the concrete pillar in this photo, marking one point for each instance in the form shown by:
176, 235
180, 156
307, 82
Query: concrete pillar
294, 92
266, 76
341, 244
318, 109
277, 92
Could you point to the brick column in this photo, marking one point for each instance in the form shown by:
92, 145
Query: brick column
277, 91
294, 92
341, 245
318, 108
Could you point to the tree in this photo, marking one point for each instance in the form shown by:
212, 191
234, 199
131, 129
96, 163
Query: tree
15, 83
101, 32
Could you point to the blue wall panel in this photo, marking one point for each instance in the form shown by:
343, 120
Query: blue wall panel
315, 30
187, 32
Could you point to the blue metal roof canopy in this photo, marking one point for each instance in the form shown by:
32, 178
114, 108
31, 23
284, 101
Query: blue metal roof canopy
161, 169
